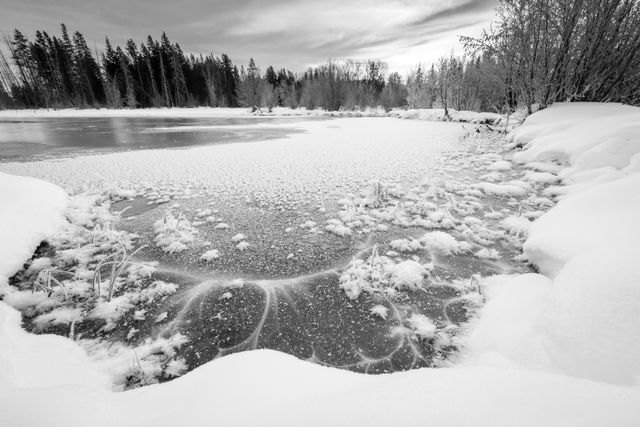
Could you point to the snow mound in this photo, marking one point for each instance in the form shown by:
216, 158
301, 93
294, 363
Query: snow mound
580, 318
30, 212
603, 215
588, 136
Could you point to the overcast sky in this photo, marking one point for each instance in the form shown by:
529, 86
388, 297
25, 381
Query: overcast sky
293, 33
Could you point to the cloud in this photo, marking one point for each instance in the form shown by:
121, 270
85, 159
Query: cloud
293, 34
455, 11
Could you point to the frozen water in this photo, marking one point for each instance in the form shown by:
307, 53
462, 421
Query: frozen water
44, 137
543, 350
254, 244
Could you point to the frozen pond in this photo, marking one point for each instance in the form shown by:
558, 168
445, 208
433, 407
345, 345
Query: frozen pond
32, 138
354, 243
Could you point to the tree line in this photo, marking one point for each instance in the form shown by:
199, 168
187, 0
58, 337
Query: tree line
536, 52
59, 72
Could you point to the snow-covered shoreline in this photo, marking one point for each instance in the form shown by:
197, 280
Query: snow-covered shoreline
580, 316
26, 221
435, 114
552, 349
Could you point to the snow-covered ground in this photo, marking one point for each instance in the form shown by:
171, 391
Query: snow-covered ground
556, 348
580, 318
206, 112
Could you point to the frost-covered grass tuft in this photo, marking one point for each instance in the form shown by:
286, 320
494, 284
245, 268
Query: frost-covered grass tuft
46, 280
516, 225
115, 263
444, 243
242, 246
406, 245
175, 368
376, 194
211, 255
144, 364
486, 253
422, 325
381, 275
379, 310
238, 238
58, 316
173, 233
336, 227
408, 274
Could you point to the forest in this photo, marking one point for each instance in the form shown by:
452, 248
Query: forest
536, 52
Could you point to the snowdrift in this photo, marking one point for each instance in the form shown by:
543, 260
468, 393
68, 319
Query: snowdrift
30, 212
581, 318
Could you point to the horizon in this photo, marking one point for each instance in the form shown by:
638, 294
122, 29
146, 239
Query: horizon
401, 33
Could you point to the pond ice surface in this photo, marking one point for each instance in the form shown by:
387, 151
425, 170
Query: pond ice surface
353, 244
30, 138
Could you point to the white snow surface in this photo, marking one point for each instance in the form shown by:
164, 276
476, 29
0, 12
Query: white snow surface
433, 114
605, 215
598, 141
30, 211
556, 349
581, 318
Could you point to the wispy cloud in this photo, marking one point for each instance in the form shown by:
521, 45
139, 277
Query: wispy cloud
287, 33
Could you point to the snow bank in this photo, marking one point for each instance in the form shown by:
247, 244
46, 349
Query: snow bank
30, 211
606, 215
269, 388
599, 147
41, 361
276, 389
437, 114
581, 319
588, 136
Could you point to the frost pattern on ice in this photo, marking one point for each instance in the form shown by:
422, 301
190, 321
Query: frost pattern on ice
391, 241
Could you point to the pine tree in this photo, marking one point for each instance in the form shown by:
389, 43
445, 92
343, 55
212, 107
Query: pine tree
155, 98
126, 80
163, 53
250, 86
178, 71
88, 70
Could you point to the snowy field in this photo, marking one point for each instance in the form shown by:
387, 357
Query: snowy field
370, 244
